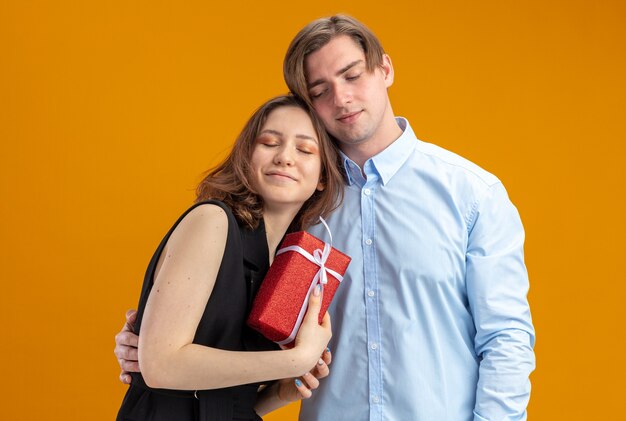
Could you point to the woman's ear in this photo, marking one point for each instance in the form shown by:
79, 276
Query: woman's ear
320, 186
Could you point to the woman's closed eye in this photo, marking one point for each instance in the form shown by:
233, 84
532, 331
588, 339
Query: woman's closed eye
268, 141
307, 146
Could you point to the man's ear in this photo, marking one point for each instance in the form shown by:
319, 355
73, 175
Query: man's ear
387, 68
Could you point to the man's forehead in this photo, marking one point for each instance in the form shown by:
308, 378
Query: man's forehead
342, 53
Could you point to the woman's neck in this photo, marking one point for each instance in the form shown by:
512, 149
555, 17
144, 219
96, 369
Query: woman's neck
276, 225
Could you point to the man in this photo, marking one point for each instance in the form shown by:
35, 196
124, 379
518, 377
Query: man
432, 322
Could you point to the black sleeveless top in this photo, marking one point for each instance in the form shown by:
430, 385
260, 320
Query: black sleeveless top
223, 325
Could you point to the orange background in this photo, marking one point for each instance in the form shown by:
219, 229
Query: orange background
110, 111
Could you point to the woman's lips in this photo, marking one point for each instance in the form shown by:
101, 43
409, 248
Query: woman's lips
280, 175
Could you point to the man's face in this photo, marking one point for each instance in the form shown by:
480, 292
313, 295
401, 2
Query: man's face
351, 101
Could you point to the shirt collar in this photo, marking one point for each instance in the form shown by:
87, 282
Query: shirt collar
387, 162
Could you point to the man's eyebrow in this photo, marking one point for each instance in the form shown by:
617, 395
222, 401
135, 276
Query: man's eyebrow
337, 73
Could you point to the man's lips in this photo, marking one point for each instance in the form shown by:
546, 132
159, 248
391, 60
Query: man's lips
349, 117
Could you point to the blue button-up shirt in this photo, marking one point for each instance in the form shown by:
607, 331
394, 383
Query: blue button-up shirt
431, 322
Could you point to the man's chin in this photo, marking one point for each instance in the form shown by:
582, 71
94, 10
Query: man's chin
352, 139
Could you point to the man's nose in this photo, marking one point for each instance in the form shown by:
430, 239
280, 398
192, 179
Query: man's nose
342, 94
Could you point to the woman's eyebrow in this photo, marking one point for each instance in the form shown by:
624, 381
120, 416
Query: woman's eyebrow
271, 131
306, 137
280, 134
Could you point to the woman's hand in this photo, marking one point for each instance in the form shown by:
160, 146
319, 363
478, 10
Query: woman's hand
312, 338
289, 390
285, 391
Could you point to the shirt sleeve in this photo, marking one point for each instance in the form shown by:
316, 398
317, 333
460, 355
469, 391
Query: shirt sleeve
497, 285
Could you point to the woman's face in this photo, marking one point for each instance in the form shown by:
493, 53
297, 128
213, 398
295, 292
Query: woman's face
285, 159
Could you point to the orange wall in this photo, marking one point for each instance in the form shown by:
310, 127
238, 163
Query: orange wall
110, 111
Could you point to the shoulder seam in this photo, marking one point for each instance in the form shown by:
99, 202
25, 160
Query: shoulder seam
484, 178
471, 216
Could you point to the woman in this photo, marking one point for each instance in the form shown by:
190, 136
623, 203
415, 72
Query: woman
198, 359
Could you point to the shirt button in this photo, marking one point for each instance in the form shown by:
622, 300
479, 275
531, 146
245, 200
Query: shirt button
370, 293
374, 346
368, 241
367, 192
375, 399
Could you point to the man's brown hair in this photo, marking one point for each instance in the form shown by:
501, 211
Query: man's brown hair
316, 35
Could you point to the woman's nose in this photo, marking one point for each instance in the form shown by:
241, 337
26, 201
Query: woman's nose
284, 156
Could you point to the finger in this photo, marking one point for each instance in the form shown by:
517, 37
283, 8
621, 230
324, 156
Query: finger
311, 381
321, 369
326, 321
129, 366
125, 377
315, 303
327, 356
304, 391
126, 353
126, 339
131, 317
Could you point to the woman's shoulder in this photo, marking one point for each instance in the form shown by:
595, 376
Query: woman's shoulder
207, 216
210, 208
205, 222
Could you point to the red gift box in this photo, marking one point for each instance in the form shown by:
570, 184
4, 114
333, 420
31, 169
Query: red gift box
300, 264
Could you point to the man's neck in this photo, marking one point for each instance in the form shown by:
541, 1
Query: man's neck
385, 136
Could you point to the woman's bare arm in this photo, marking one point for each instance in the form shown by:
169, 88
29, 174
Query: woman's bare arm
184, 282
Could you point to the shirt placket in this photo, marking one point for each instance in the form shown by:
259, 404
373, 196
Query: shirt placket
368, 227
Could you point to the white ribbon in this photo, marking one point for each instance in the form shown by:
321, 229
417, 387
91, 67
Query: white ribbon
319, 257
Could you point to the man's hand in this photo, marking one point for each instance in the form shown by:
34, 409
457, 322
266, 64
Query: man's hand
126, 348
